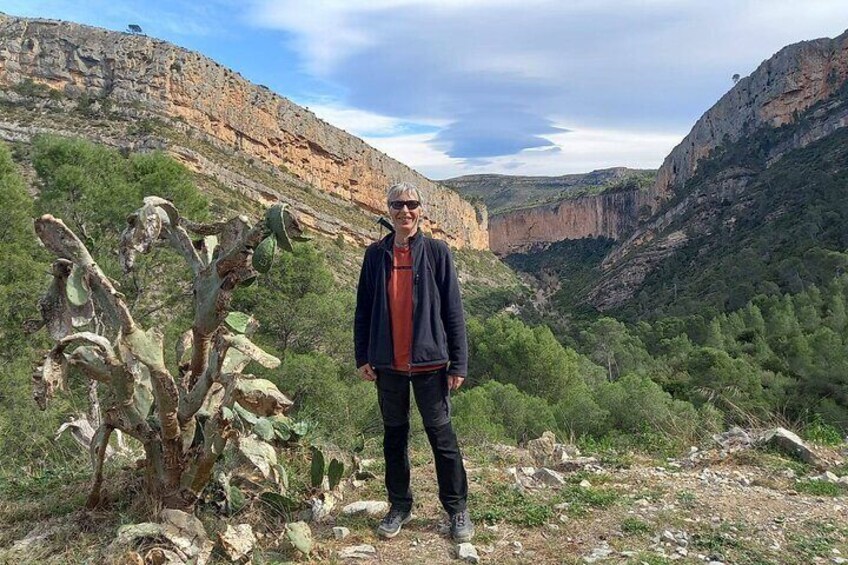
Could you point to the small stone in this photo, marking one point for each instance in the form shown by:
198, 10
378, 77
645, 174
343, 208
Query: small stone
585, 484
364, 551
839, 560
369, 507
552, 527
467, 552
492, 528
340, 532
682, 551
518, 547
668, 536
642, 502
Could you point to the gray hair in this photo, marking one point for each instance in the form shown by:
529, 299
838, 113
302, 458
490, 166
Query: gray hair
397, 189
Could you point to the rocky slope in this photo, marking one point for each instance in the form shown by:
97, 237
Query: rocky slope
793, 80
136, 77
792, 100
720, 504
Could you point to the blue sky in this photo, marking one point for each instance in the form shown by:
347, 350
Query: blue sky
455, 87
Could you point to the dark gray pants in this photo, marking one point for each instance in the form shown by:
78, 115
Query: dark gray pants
433, 399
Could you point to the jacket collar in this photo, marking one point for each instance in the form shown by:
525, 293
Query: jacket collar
387, 243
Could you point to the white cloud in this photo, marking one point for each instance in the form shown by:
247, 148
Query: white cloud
577, 151
363, 123
500, 71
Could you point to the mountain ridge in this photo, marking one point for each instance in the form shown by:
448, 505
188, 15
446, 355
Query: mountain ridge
143, 77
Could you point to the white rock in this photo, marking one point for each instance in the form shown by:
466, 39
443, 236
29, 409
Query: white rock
585, 484
340, 532
364, 551
467, 552
369, 507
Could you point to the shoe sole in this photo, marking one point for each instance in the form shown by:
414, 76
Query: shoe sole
390, 535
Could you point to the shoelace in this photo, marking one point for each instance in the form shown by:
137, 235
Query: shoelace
459, 519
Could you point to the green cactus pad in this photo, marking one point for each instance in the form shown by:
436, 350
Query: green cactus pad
300, 536
275, 219
263, 255
237, 321
316, 471
77, 287
335, 472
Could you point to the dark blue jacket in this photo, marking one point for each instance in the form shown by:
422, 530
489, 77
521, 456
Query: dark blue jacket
438, 323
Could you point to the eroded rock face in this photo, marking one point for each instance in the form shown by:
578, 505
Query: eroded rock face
612, 215
218, 102
794, 79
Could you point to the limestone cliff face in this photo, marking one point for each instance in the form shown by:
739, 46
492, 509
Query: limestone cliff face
806, 80
791, 81
611, 214
182, 85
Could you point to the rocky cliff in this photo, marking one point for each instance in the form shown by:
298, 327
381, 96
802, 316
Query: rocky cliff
532, 211
205, 99
611, 214
502, 193
801, 88
782, 87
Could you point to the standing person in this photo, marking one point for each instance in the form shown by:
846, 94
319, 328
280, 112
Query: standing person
409, 328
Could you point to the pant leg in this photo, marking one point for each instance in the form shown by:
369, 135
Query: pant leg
433, 399
393, 396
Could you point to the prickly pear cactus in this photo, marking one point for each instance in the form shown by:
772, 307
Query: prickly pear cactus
147, 401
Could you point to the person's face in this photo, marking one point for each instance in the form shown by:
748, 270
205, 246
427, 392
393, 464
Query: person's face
405, 219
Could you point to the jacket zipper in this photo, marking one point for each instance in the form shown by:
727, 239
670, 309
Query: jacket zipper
414, 295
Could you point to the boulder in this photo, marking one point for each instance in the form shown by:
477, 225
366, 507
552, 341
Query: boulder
791, 444
542, 449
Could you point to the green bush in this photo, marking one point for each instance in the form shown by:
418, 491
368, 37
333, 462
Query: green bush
504, 349
496, 411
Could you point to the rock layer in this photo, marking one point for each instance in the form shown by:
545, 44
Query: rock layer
132, 70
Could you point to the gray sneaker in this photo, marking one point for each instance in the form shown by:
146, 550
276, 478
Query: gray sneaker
461, 527
392, 523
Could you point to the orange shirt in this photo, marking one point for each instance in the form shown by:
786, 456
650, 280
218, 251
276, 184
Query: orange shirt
400, 311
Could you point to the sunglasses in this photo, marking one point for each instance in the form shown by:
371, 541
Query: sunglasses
399, 204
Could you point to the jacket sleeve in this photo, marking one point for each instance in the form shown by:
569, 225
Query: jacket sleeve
362, 316
453, 317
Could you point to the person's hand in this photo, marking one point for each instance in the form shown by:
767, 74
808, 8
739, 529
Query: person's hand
455, 381
366, 373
